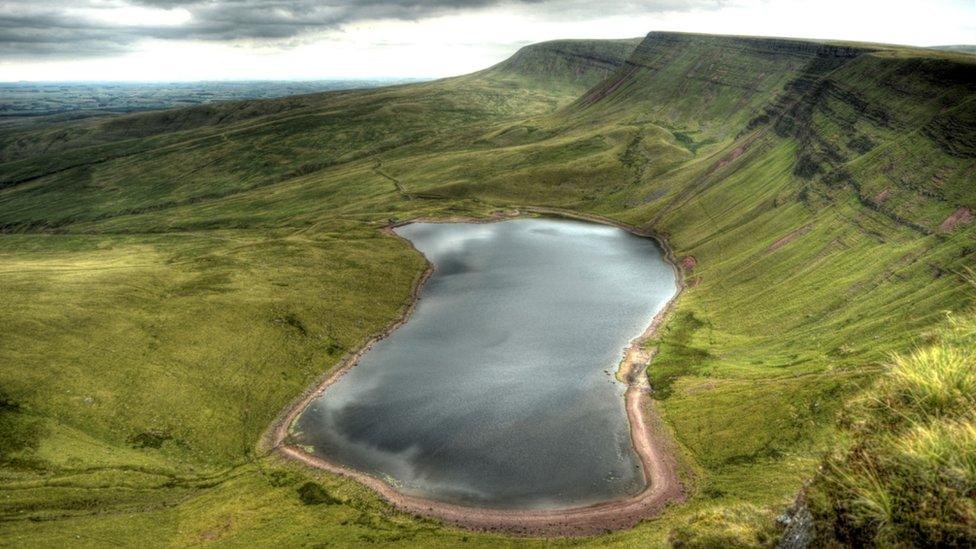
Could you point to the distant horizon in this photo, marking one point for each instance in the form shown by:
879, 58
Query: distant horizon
219, 80
301, 40
20, 100
406, 79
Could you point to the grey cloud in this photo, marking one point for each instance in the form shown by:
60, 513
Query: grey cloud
48, 28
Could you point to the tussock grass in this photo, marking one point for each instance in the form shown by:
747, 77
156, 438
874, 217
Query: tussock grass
909, 475
949, 447
931, 382
736, 526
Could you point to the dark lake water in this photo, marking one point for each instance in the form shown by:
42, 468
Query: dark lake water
499, 390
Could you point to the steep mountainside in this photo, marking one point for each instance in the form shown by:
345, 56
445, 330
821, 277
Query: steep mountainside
173, 279
580, 64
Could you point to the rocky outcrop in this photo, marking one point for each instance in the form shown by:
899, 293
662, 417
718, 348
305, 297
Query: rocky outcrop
798, 525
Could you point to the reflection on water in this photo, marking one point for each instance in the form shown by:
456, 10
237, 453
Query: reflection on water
499, 389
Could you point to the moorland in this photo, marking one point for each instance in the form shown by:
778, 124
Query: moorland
172, 280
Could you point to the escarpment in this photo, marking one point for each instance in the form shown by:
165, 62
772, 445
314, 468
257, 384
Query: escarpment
894, 129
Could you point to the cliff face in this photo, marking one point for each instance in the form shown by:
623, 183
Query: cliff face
898, 131
658, 41
686, 79
897, 126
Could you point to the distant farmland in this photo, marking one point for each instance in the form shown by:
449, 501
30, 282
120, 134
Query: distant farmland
33, 99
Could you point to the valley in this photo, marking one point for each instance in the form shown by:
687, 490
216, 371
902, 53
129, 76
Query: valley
174, 279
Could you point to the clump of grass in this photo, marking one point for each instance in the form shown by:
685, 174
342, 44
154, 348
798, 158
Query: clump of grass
909, 476
735, 526
933, 382
942, 451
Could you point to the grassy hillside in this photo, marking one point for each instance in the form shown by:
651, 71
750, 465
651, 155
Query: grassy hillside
909, 473
173, 279
962, 48
574, 65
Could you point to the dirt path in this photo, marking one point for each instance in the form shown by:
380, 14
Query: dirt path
649, 436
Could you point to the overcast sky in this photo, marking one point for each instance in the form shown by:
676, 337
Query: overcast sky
307, 39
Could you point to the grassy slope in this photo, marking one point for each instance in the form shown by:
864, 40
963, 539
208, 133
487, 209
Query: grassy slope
962, 48
909, 475
176, 277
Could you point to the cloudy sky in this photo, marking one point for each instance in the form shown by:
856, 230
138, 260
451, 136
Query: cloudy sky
305, 39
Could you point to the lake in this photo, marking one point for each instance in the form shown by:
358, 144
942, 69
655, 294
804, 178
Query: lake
499, 390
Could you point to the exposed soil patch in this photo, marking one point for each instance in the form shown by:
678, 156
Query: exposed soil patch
789, 237
962, 216
735, 153
729, 158
606, 88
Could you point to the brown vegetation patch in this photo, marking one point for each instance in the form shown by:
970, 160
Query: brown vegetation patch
789, 237
962, 216
607, 88
729, 158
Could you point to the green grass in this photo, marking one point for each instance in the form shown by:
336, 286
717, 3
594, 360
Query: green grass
172, 280
909, 473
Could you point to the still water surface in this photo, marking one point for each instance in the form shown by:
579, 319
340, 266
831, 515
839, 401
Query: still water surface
499, 390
